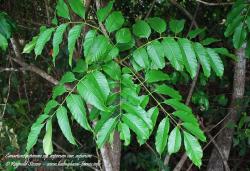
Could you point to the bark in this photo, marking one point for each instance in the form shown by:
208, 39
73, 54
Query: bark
224, 140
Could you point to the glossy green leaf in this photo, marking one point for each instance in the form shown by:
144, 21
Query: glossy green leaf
58, 91
78, 7
239, 36
29, 46
176, 26
194, 33
74, 34
88, 41
113, 70
114, 21
47, 140
174, 141
153, 114
102, 13
141, 29
248, 22
3, 42
156, 54
162, 135
177, 105
193, 148
169, 91
232, 26
63, 122
209, 41
157, 24
123, 35
33, 135
50, 105
225, 52
68, 77
215, 62
81, 66
156, 76
195, 130
186, 117
62, 9
125, 133
141, 57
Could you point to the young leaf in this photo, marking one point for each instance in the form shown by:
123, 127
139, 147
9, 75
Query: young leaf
58, 91
203, 58
104, 134
169, 91
29, 46
176, 26
162, 135
62, 9
137, 125
78, 7
113, 70
195, 130
63, 122
43, 38
155, 76
177, 105
68, 77
174, 141
57, 40
102, 13
157, 24
189, 58
173, 53
77, 109
141, 57
123, 36
156, 54
239, 36
33, 135
95, 89
74, 33
141, 29
125, 133
193, 148
114, 21
47, 140
215, 62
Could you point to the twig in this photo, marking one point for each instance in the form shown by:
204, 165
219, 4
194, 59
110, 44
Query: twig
7, 98
215, 4
150, 9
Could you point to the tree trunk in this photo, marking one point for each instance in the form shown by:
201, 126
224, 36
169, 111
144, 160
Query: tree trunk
224, 140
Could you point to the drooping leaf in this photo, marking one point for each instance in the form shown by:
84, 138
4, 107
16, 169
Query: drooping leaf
58, 91
141, 57
94, 89
194, 33
114, 21
177, 105
157, 24
104, 134
123, 35
43, 38
189, 58
174, 141
33, 135
63, 122
153, 114
176, 26
156, 76
239, 36
232, 26
78, 111
125, 133
169, 91
3, 42
78, 7
47, 140
203, 58
162, 135
68, 77
209, 41
102, 13
29, 46
195, 130
156, 54
88, 41
74, 33
186, 117
193, 148
173, 53
215, 62
141, 29
57, 40
62, 9
113, 70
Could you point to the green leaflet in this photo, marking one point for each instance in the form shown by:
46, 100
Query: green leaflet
153, 114
57, 40
43, 38
3, 42
74, 33
248, 22
195, 130
194, 33
29, 46
33, 135
63, 122
173, 53
68, 77
209, 41
169, 91
62, 9
78, 111
203, 58
94, 89
156, 54
239, 36
88, 41
141, 29
186, 117
231, 27
81, 66
176, 26
102, 13
50, 105
58, 91
162, 135
123, 35
156, 76
157, 24
47, 140
177, 105
113, 70
193, 148
189, 58
78, 7
141, 57
104, 134
125, 133
137, 125
131, 96
234, 13
97, 49
114, 21
174, 141
215, 62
